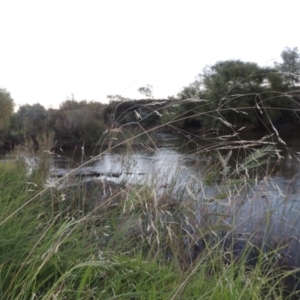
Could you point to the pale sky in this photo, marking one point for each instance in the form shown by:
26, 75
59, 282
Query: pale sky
52, 49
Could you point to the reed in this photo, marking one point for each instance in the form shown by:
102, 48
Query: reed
208, 235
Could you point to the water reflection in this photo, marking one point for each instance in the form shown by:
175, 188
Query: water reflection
270, 208
157, 167
174, 151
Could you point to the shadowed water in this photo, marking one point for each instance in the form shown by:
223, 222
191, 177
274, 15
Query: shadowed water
268, 211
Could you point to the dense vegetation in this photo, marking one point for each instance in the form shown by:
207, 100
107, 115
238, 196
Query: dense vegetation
241, 93
216, 235
61, 239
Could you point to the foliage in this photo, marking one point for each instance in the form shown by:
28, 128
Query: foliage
185, 110
101, 240
64, 240
117, 97
290, 66
147, 90
31, 119
6, 109
77, 122
227, 95
235, 93
145, 113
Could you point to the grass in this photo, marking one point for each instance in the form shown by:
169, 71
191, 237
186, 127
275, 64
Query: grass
105, 241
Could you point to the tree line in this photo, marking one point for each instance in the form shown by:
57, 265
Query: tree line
227, 94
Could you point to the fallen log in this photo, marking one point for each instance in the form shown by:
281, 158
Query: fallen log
94, 174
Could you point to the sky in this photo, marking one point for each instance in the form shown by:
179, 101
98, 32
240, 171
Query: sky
51, 51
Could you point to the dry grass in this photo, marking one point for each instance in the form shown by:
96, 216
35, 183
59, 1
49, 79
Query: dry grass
224, 231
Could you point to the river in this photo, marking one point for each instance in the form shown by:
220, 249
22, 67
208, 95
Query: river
179, 164
169, 155
268, 212
174, 151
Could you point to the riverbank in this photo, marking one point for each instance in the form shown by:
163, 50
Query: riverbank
103, 240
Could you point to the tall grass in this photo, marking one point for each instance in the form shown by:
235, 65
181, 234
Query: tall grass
211, 234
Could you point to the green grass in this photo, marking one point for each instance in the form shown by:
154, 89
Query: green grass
131, 247
60, 243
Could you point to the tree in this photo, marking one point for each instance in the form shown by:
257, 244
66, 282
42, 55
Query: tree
31, 119
147, 91
78, 122
6, 109
193, 90
118, 113
290, 66
234, 92
252, 92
